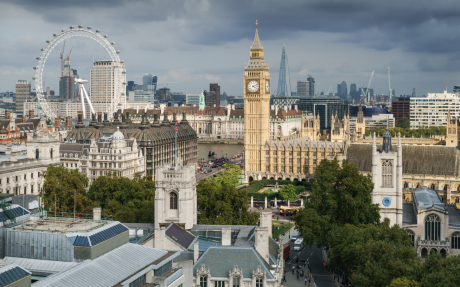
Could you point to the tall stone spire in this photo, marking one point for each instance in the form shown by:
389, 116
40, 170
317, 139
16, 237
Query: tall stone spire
256, 44
284, 81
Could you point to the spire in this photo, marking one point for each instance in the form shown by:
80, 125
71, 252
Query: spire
284, 81
386, 141
256, 44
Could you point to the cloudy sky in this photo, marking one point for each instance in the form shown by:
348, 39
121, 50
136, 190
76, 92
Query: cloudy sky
191, 43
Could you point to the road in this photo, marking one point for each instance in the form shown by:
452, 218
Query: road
200, 176
312, 256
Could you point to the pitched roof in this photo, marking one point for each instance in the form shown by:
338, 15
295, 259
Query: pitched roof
454, 215
40, 267
179, 235
426, 198
222, 259
433, 160
111, 268
12, 273
409, 216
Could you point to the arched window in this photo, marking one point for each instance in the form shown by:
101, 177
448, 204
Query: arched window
445, 187
457, 200
173, 200
418, 185
236, 282
455, 240
406, 185
51, 153
412, 236
424, 252
203, 281
387, 221
259, 282
433, 186
432, 227
37, 154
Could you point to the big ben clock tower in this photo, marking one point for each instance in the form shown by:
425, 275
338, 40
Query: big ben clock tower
256, 107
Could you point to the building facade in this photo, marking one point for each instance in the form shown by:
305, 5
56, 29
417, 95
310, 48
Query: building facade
107, 83
432, 109
68, 89
215, 88
22, 94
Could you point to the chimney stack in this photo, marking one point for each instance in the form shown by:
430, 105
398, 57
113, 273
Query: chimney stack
99, 117
57, 124
23, 120
261, 242
196, 251
159, 238
31, 114
266, 220
67, 123
226, 236
97, 213
7, 114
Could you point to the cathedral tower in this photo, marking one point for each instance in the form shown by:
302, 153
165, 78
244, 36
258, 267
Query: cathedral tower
451, 130
256, 83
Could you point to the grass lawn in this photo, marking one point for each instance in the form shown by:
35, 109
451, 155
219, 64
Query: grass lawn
280, 224
238, 184
268, 191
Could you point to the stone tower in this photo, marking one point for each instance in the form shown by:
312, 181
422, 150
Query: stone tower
175, 195
256, 89
311, 127
360, 129
451, 130
387, 179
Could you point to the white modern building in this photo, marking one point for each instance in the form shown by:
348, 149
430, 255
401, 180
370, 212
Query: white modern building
382, 121
432, 109
108, 154
108, 81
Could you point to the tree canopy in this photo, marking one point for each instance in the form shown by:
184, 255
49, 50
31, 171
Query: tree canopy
403, 123
408, 132
363, 251
127, 200
65, 189
219, 202
288, 192
340, 194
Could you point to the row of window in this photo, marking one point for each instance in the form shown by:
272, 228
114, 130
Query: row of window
16, 178
236, 282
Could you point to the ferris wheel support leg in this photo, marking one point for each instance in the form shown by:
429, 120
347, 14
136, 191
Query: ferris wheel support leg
89, 102
82, 100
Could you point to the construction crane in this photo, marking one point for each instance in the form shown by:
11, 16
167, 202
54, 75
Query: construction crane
69, 54
368, 94
61, 57
329, 90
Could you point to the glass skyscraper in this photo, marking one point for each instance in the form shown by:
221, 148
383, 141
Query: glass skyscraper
284, 82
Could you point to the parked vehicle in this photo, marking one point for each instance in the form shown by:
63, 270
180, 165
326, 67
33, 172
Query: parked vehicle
295, 236
298, 244
286, 249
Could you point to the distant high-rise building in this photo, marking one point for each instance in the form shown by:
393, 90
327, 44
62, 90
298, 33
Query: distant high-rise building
163, 95
413, 93
343, 90
22, 94
215, 88
223, 97
339, 88
210, 98
107, 78
68, 90
302, 87
147, 79
311, 86
353, 91
284, 81
192, 99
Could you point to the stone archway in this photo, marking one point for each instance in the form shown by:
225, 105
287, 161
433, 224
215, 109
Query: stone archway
443, 253
251, 179
296, 179
303, 179
272, 177
264, 177
424, 253
279, 178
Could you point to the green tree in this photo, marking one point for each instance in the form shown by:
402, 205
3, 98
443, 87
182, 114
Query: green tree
230, 175
439, 272
404, 282
128, 200
403, 123
288, 192
372, 255
223, 204
64, 189
340, 194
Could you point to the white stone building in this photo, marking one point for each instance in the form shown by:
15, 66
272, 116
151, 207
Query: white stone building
21, 167
108, 154
108, 82
382, 121
432, 109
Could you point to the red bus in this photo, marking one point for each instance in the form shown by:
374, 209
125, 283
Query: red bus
286, 210
286, 249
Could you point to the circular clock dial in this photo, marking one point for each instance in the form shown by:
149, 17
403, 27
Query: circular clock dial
267, 86
253, 86
386, 201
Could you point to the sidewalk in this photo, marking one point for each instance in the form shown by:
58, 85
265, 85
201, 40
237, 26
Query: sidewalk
292, 281
286, 237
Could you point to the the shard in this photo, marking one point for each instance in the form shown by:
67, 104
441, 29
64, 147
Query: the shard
284, 82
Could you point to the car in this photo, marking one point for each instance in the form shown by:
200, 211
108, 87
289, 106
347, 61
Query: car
298, 244
295, 236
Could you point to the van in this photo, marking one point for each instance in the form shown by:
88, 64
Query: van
298, 244
295, 236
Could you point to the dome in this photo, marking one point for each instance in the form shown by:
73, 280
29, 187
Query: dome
118, 135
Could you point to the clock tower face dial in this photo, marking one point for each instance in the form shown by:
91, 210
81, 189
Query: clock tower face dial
267, 86
253, 86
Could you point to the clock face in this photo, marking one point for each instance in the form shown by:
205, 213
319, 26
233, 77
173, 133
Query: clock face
253, 86
386, 201
267, 86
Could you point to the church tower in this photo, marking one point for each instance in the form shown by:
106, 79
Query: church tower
451, 130
360, 129
387, 179
256, 93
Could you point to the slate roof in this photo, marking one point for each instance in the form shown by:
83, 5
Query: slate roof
426, 198
304, 142
40, 267
454, 215
179, 235
98, 235
282, 114
409, 216
12, 273
273, 250
14, 209
112, 268
222, 259
433, 160
74, 148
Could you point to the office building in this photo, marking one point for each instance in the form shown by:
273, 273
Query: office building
284, 81
302, 87
324, 107
163, 95
432, 109
178, 98
68, 89
382, 121
401, 108
342, 91
215, 88
107, 82
192, 99
22, 94
282, 102
210, 98
310, 86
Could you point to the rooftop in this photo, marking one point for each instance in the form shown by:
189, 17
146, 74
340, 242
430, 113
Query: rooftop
62, 225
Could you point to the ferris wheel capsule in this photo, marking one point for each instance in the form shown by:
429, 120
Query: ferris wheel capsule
71, 27
35, 68
118, 52
80, 26
47, 41
38, 58
33, 78
98, 31
54, 35
112, 43
89, 27
62, 30
42, 49
105, 36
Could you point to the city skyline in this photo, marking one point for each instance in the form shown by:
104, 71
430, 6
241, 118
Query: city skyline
186, 50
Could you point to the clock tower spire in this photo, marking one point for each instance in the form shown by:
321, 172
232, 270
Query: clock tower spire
256, 82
